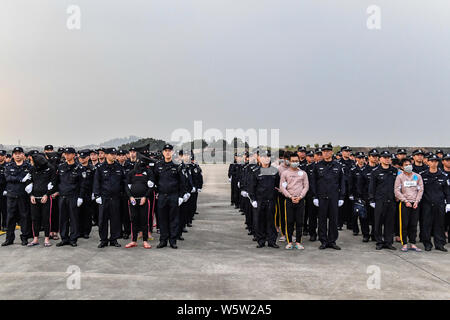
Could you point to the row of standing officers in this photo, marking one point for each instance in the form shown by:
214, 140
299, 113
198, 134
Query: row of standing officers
316, 193
125, 193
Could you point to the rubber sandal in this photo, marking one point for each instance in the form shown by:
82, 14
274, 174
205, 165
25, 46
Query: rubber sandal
403, 249
32, 244
289, 246
131, 245
147, 246
416, 249
299, 246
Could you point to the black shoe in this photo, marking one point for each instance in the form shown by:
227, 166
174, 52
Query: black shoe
323, 246
334, 246
114, 244
185, 230
24, 242
313, 238
62, 243
236, 207
161, 245
305, 233
379, 247
196, 213
254, 239
86, 236
428, 248
180, 238
372, 238
189, 225
441, 248
390, 247
355, 233
7, 243
173, 246
250, 233
125, 236
365, 239
73, 244
273, 245
102, 245
260, 245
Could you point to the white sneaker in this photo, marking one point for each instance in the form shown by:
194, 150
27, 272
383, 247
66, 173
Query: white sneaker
282, 239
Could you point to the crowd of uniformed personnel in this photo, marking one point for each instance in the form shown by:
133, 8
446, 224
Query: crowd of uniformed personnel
389, 197
126, 193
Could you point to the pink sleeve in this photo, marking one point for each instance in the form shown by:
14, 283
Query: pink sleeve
305, 185
398, 189
283, 189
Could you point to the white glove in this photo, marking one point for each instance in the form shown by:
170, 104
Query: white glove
29, 188
27, 177
92, 197
340, 203
79, 202
239, 185
284, 184
5, 192
254, 204
199, 190
351, 198
447, 208
129, 186
193, 189
50, 186
150, 184
229, 179
316, 202
372, 204
186, 197
98, 200
180, 201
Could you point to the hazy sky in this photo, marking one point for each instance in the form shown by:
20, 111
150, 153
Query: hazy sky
309, 68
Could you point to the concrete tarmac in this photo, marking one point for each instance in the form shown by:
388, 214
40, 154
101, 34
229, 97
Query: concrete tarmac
218, 260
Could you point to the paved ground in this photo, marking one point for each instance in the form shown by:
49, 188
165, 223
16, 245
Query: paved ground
219, 261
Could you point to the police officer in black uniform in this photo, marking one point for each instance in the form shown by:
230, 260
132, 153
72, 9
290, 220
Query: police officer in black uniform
170, 184
184, 212
68, 185
88, 206
17, 176
328, 189
2, 190
109, 183
197, 180
345, 212
310, 209
435, 203
381, 197
125, 217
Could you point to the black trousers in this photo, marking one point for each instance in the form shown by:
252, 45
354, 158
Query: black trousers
68, 219
183, 216
407, 221
345, 214
18, 212
40, 217
168, 216
140, 219
109, 218
328, 216
3, 211
371, 218
282, 214
433, 217
152, 206
85, 216
194, 197
312, 212
248, 213
384, 222
234, 193
124, 216
295, 215
397, 219
54, 214
265, 222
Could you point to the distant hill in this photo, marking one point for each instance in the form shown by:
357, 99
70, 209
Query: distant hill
113, 142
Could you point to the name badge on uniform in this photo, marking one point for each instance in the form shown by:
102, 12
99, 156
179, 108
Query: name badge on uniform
300, 173
410, 184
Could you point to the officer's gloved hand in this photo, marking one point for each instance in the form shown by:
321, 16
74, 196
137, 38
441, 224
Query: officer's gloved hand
186, 197
98, 200
254, 204
243, 193
27, 177
29, 188
50, 186
372, 204
316, 202
193, 189
447, 208
180, 201
239, 185
340, 203
229, 179
199, 190
150, 184
351, 198
79, 202
5, 192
